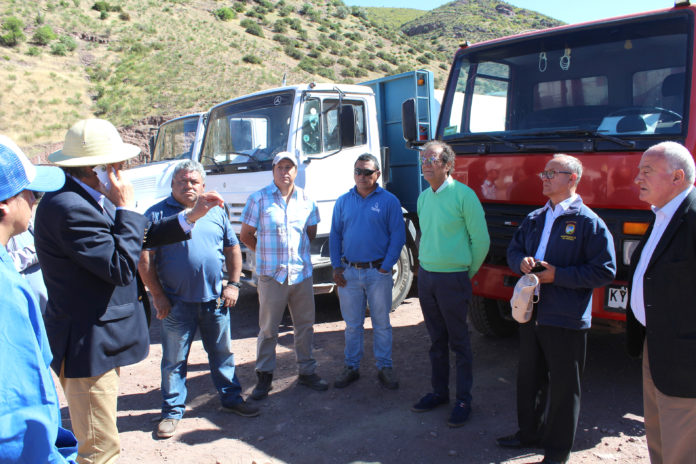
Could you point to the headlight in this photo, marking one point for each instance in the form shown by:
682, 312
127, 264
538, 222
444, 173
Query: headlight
628, 247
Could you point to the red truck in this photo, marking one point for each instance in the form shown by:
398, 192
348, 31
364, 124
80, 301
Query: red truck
602, 91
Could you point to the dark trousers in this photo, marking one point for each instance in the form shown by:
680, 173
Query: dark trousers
552, 360
444, 299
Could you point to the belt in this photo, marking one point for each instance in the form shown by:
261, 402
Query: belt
370, 264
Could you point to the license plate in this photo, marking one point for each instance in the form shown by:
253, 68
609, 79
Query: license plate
617, 298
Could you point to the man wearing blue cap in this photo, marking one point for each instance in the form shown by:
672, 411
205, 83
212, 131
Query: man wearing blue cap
29, 410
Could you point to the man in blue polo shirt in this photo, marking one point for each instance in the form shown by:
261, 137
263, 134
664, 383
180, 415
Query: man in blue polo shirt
367, 234
185, 280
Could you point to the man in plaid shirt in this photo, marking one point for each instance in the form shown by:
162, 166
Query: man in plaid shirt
278, 222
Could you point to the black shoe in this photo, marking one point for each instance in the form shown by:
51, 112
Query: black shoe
551, 461
243, 409
348, 376
513, 441
387, 378
263, 386
313, 381
428, 402
460, 414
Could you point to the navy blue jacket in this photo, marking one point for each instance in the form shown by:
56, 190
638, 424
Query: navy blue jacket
95, 318
581, 248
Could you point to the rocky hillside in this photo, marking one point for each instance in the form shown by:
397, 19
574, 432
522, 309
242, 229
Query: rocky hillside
136, 62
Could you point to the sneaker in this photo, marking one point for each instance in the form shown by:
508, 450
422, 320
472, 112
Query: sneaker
387, 378
348, 376
428, 402
263, 386
242, 408
167, 427
460, 414
313, 381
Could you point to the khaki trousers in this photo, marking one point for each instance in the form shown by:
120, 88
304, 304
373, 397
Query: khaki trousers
670, 422
273, 298
92, 406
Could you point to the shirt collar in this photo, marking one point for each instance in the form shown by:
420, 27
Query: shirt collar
97, 195
669, 209
355, 191
564, 205
445, 184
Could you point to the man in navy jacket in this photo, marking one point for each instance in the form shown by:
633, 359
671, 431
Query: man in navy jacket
572, 252
89, 243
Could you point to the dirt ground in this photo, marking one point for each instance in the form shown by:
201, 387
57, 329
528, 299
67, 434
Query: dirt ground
365, 423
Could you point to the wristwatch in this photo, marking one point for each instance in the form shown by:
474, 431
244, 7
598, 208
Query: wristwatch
186, 217
234, 284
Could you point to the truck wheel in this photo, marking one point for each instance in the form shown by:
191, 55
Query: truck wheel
402, 275
486, 316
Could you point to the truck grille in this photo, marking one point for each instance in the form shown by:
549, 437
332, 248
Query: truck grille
235, 212
503, 221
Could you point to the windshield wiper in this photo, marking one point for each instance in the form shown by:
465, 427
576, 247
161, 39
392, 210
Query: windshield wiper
587, 133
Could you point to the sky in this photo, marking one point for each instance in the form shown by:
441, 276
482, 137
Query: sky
568, 11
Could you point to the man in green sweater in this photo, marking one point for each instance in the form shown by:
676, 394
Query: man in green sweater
453, 244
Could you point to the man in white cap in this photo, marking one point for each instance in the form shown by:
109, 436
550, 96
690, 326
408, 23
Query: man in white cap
278, 222
30, 425
89, 243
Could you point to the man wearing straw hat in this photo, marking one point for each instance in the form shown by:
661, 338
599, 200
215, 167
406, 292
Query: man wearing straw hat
572, 252
89, 243
30, 424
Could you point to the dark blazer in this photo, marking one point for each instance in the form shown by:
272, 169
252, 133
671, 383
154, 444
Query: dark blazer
669, 289
95, 318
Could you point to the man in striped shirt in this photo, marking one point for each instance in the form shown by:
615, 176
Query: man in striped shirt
278, 222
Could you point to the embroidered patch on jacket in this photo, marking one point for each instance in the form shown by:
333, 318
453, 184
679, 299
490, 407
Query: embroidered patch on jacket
569, 231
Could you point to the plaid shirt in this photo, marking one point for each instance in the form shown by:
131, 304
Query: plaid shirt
282, 248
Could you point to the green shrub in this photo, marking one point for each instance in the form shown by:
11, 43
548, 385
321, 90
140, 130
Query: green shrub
251, 59
224, 13
308, 64
59, 49
123, 16
103, 15
423, 59
43, 35
69, 42
34, 51
292, 52
251, 27
100, 6
327, 73
280, 26
343, 62
283, 39
14, 33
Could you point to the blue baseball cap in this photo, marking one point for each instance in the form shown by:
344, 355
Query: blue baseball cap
17, 173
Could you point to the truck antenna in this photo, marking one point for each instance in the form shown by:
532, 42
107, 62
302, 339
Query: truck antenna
284, 79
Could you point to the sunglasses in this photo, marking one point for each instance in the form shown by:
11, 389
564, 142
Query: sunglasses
364, 172
550, 174
428, 161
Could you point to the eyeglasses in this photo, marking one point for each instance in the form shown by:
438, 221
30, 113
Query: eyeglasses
364, 172
428, 161
550, 174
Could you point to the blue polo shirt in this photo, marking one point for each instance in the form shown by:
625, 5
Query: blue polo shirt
191, 270
367, 229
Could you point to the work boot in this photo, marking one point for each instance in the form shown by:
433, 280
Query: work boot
313, 381
387, 378
348, 376
263, 386
242, 408
167, 427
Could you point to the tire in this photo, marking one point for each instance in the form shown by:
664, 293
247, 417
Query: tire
402, 276
487, 317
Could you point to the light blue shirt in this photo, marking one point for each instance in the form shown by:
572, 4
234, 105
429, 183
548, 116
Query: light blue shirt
662, 217
550, 216
29, 408
282, 246
367, 229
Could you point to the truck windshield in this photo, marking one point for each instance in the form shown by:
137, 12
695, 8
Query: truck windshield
175, 139
248, 133
614, 82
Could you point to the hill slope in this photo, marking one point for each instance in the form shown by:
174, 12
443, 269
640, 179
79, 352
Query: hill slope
127, 60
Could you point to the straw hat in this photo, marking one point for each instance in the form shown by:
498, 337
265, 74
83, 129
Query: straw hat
91, 142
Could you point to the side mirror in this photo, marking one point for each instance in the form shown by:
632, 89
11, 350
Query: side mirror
347, 121
409, 123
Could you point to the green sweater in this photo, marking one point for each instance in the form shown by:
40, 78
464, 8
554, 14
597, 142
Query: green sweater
454, 235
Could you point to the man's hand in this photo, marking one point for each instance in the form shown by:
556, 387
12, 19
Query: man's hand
547, 276
204, 203
162, 305
121, 191
230, 294
338, 277
527, 264
382, 271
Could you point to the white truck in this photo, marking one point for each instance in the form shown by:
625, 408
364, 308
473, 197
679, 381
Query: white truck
326, 127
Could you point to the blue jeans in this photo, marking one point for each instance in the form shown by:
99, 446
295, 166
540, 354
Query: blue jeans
444, 299
178, 331
372, 287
